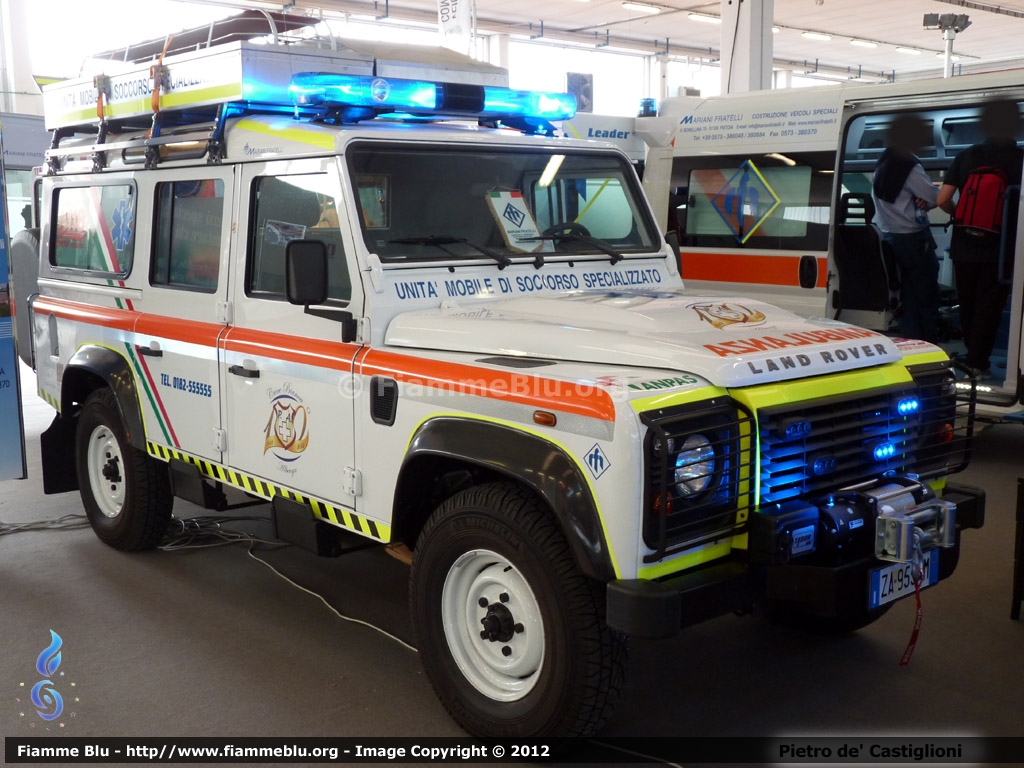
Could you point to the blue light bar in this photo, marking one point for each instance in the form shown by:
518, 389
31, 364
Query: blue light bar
908, 405
316, 89
500, 102
420, 97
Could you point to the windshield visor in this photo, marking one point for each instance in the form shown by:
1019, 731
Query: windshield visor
436, 203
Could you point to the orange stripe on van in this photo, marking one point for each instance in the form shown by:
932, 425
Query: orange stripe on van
108, 317
747, 268
566, 396
189, 331
553, 394
295, 349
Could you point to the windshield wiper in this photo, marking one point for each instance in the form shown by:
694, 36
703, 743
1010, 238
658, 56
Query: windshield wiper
579, 233
440, 241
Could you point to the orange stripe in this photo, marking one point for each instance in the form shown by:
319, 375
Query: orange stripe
567, 396
189, 331
747, 268
296, 349
108, 317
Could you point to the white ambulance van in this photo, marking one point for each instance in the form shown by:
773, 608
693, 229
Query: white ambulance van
770, 196
395, 305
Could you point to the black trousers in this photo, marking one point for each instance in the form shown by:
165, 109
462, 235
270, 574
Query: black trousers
982, 298
914, 253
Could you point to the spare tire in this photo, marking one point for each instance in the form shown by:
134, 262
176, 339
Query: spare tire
25, 286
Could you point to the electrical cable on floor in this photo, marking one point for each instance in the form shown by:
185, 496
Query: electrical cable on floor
65, 523
331, 607
194, 531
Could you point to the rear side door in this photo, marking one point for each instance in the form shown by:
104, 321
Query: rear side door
182, 313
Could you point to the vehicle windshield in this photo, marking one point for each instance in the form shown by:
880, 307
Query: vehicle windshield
430, 203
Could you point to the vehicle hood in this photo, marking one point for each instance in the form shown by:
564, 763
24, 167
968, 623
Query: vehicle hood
729, 342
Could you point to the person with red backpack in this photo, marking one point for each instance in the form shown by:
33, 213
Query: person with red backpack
984, 215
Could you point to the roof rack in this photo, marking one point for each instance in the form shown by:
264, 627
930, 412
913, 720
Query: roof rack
179, 109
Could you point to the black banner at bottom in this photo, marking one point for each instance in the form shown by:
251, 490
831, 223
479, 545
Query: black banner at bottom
790, 750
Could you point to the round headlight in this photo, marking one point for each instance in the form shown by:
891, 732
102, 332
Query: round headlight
695, 465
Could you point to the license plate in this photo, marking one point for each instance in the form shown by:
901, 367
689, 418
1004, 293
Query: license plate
895, 581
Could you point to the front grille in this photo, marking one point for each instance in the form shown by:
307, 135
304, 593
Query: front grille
830, 447
833, 445
676, 520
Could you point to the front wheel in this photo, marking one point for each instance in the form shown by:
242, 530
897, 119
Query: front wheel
511, 634
126, 494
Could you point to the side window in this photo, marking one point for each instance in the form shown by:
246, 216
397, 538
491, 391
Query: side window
769, 201
187, 234
286, 208
93, 228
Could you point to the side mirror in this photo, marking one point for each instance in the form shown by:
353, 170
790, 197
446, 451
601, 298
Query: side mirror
807, 271
305, 272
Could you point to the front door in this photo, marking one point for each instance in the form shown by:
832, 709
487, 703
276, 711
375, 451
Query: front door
289, 410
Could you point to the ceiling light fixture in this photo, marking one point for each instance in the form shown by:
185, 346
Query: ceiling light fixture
953, 57
641, 7
816, 35
705, 18
910, 51
863, 43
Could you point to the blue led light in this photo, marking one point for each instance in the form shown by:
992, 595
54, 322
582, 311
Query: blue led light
421, 96
824, 465
501, 102
883, 451
797, 428
315, 89
908, 405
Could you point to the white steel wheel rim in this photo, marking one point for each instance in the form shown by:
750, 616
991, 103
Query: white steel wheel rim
105, 465
511, 618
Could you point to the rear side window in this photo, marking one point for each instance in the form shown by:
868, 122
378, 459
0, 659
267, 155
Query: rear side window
187, 234
94, 229
766, 201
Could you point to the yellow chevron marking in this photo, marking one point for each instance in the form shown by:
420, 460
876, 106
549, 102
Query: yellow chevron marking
336, 515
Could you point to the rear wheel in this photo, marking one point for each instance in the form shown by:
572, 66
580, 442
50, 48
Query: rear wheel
126, 494
511, 634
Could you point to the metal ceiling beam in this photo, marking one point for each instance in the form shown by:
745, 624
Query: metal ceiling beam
984, 7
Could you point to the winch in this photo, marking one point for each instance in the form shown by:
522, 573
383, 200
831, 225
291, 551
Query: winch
894, 519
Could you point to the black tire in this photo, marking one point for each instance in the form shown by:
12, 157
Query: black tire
502, 539
126, 494
792, 616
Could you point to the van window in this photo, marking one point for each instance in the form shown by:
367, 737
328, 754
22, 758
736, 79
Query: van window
427, 203
286, 208
187, 234
94, 228
770, 201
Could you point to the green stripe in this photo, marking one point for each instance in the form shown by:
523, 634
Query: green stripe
145, 388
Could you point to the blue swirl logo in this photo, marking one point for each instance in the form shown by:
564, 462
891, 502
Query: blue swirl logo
48, 701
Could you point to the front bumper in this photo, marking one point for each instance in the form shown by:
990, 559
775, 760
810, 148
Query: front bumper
661, 608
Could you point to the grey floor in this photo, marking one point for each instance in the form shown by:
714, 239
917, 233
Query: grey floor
211, 642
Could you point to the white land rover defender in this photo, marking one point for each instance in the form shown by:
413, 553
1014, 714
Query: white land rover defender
398, 306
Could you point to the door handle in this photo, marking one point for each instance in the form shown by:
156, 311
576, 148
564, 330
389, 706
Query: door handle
245, 373
150, 351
